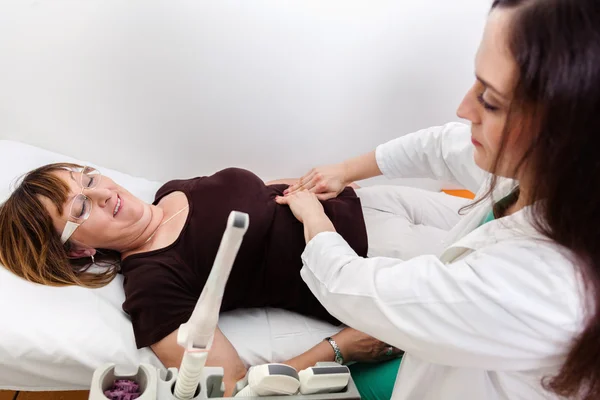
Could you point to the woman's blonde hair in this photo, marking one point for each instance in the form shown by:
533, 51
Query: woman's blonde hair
30, 246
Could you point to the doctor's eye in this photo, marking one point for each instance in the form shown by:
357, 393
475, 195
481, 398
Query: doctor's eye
485, 104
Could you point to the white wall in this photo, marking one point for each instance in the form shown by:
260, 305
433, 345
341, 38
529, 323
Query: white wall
168, 88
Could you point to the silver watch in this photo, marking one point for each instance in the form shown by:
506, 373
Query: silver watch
336, 349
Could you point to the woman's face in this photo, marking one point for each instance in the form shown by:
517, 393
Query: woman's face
108, 226
487, 103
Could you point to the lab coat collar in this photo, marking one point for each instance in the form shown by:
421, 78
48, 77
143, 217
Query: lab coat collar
469, 235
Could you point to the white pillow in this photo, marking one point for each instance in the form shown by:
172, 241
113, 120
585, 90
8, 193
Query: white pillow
54, 338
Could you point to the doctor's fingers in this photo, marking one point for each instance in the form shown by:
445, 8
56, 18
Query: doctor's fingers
318, 184
326, 196
306, 182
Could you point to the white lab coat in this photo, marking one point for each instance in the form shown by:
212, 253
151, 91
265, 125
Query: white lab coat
487, 319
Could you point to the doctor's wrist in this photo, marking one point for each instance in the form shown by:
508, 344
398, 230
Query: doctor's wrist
316, 224
317, 218
346, 173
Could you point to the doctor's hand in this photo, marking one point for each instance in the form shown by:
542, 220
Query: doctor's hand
304, 204
326, 182
360, 347
307, 209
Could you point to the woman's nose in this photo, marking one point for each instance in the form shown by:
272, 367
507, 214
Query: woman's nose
100, 196
468, 108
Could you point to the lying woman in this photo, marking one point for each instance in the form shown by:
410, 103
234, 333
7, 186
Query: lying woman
62, 216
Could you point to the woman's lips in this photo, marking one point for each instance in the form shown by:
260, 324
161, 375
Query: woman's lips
118, 206
475, 142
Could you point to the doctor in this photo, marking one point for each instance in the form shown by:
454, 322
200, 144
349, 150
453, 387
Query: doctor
511, 308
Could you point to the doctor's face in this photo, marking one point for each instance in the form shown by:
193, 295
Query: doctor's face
487, 102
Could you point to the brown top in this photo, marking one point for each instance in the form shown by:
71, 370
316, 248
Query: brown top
162, 286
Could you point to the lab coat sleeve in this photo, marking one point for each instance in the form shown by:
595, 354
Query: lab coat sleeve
441, 153
499, 309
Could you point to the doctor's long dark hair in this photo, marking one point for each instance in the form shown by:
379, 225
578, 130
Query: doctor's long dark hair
556, 45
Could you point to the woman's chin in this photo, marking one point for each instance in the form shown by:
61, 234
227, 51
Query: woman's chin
481, 160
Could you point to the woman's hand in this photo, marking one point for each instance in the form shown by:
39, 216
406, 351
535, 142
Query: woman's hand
358, 346
222, 354
326, 182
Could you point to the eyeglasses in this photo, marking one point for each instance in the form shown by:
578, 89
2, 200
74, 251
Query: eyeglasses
81, 206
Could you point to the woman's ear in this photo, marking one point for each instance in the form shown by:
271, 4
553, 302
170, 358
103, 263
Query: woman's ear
79, 251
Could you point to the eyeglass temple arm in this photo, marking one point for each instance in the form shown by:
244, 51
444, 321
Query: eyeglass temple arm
68, 231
